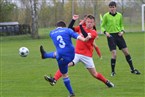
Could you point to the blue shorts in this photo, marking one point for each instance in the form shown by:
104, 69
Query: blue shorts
63, 62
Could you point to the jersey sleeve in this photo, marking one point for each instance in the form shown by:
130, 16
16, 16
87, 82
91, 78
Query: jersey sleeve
94, 34
104, 21
73, 34
83, 31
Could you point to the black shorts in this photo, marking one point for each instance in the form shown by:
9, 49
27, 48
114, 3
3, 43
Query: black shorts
116, 40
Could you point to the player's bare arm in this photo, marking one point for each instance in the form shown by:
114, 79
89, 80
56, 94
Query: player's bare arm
83, 39
107, 34
120, 33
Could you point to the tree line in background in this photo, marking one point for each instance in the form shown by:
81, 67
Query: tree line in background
45, 13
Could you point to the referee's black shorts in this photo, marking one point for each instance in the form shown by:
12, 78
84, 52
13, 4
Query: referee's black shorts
116, 40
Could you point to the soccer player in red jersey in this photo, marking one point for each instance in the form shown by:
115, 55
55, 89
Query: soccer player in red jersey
94, 43
83, 50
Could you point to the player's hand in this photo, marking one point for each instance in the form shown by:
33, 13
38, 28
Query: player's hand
88, 37
97, 37
120, 33
107, 34
75, 17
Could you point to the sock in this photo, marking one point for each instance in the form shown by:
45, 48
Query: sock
129, 60
57, 75
113, 61
67, 85
98, 51
49, 55
100, 77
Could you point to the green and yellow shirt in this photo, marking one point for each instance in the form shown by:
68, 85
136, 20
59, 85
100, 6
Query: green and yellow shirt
112, 23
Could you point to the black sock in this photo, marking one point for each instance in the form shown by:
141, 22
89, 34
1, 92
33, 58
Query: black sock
129, 60
113, 61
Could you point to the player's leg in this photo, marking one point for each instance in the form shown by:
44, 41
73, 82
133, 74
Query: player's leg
113, 62
67, 84
112, 47
62, 72
57, 76
89, 64
97, 75
100, 77
122, 46
63, 67
129, 60
45, 55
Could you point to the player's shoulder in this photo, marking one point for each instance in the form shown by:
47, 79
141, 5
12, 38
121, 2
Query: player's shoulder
68, 31
119, 13
65, 28
93, 32
106, 14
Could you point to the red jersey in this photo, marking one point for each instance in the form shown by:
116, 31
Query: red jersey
85, 48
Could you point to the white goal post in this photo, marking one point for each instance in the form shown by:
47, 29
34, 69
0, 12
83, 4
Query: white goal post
143, 19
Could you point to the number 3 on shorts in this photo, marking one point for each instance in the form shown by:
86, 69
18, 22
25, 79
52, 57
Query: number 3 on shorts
61, 42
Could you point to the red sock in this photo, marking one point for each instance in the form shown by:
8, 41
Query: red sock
100, 77
57, 75
98, 51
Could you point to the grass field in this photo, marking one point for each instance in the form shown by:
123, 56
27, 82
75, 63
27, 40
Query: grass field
23, 77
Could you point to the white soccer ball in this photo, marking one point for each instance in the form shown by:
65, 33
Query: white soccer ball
23, 51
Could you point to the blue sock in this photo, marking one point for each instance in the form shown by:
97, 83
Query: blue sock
67, 85
49, 55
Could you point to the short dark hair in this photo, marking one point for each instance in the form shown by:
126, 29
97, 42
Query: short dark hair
60, 24
112, 3
90, 17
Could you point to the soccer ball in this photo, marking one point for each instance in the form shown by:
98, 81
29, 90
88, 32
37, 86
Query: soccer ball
23, 51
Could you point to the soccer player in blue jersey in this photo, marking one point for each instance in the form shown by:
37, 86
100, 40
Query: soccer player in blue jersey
65, 52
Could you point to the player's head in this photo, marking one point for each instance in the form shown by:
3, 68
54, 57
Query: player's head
60, 24
112, 7
90, 21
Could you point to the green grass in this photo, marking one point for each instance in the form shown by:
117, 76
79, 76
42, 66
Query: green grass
23, 77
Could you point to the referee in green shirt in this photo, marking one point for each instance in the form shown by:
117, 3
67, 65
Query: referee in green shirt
112, 26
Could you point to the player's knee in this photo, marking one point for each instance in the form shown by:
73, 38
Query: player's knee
114, 55
71, 64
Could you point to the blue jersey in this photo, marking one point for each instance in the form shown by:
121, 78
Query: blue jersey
62, 40
65, 50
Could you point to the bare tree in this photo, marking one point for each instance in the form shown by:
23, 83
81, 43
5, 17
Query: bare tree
34, 16
25, 13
